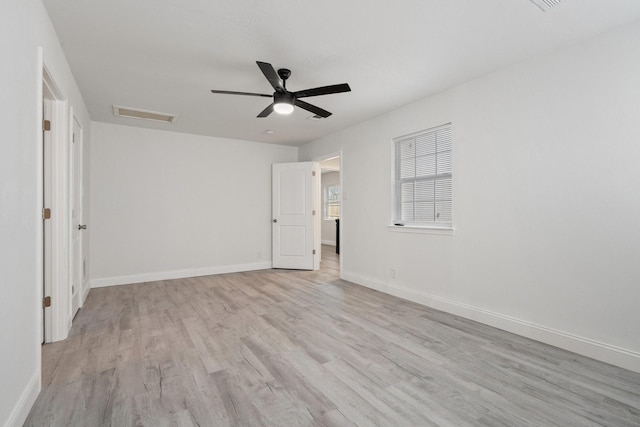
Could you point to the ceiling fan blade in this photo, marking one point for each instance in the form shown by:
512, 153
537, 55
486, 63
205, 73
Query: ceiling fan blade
266, 111
312, 108
324, 90
229, 92
271, 75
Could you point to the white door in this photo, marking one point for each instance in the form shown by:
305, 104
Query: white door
76, 218
293, 216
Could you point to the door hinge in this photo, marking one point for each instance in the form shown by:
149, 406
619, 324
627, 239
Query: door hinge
46, 125
46, 302
73, 137
46, 213
314, 251
313, 173
313, 212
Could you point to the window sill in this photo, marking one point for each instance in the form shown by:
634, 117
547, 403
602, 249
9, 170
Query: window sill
422, 229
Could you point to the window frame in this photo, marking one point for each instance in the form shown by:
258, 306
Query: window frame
445, 177
326, 204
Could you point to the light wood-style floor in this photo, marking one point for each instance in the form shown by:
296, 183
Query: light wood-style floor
292, 348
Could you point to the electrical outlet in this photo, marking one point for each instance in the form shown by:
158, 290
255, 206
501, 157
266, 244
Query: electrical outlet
392, 273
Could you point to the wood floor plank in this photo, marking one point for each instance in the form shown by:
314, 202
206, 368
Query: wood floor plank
304, 348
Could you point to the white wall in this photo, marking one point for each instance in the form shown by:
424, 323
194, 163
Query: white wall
168, 205
546, 208
329, 225
24, 27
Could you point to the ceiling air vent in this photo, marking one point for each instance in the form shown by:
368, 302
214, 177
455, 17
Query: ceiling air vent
545, 5
136, 113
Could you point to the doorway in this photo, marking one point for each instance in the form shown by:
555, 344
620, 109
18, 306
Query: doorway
332, 200
54, 190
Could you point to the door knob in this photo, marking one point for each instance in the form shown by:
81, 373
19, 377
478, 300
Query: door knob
275, 220
82, 227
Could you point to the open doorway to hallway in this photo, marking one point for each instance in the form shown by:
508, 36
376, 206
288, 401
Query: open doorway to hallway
54, 187
331, 184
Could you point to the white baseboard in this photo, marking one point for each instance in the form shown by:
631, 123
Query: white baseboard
367, 282
587, 347
329, 242
25, 403
177, 274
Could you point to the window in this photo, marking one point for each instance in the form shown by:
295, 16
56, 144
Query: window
331, 202
423, 178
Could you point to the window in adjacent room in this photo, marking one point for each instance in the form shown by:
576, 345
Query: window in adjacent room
423, 183
331, 202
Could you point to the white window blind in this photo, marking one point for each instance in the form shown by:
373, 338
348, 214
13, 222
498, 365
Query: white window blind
423, 178
331, 202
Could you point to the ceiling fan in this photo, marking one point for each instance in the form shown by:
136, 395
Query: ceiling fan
284, 100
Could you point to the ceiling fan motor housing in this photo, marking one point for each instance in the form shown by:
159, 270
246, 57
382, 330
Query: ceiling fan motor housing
284, 98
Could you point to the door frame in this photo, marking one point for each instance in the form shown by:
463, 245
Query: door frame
46, 182
58, 319
322, 158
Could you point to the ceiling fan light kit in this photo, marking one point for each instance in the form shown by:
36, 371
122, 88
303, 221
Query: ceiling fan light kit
284, 100
283, 108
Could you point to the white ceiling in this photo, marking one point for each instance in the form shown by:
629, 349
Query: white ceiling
166, 55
